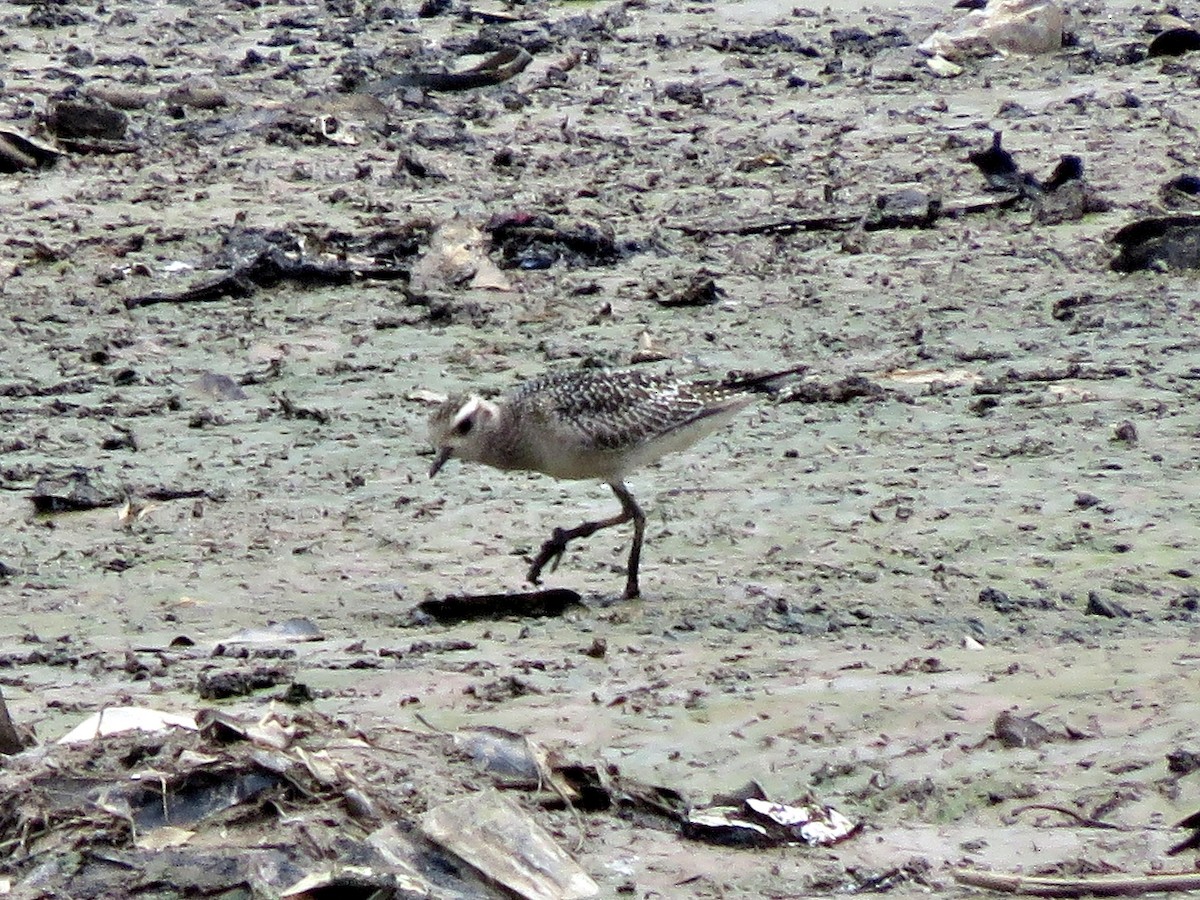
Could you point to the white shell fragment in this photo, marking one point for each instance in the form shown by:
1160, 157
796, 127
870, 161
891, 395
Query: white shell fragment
765, 823
116, 719
815, 825
942, 67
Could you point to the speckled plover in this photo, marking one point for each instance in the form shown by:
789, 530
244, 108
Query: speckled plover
591, 423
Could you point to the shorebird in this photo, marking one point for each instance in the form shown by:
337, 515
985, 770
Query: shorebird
591, 424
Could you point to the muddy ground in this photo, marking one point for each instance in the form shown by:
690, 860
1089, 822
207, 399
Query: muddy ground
841, 593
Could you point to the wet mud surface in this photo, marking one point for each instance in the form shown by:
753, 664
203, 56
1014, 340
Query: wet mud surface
982, 498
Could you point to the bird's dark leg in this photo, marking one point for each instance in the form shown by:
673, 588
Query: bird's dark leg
552, 551
631, 510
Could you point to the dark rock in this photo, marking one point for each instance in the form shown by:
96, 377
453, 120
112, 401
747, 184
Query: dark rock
1159, 243
1019, 731
1183, 762
1126, 432
71, 119
72, 491
1110, 609
1174, 42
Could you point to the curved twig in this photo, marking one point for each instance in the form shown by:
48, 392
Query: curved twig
1082, 820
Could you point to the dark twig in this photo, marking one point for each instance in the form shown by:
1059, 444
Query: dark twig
1081, 820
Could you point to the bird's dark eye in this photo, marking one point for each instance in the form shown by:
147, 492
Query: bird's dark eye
464, 427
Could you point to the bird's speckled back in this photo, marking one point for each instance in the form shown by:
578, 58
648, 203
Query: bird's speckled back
614, 410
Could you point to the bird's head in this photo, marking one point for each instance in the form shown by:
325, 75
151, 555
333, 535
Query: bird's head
459, 428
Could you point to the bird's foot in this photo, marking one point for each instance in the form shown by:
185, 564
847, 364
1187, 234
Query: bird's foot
551, 553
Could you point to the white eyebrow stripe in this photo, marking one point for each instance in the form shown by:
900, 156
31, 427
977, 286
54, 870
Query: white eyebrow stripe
467, 410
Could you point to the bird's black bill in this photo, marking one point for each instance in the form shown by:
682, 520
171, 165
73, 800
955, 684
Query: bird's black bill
763, 383
440, 460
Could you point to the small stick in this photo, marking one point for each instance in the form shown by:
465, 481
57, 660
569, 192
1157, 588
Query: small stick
1120, 886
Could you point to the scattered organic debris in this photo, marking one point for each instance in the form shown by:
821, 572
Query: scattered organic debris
254, 258
812, 551
746, 819
148, 797
1062, 197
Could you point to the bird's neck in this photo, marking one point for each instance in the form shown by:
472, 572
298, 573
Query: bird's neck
504, 448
